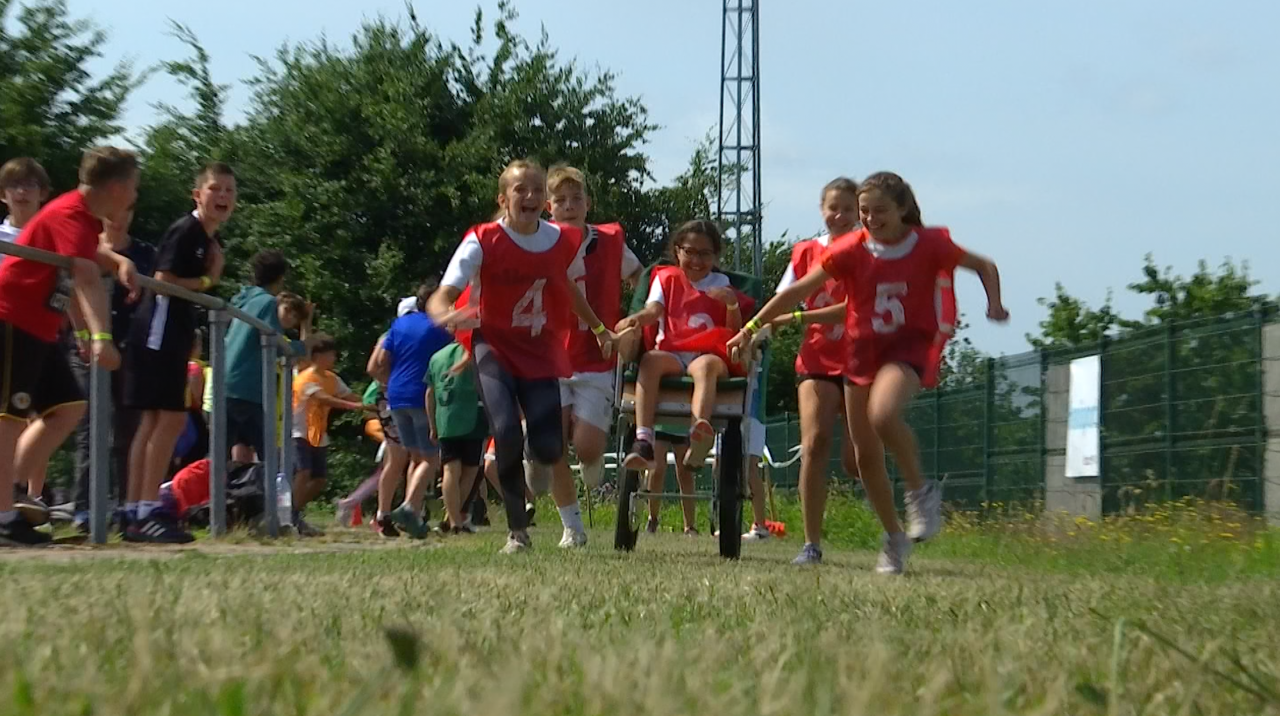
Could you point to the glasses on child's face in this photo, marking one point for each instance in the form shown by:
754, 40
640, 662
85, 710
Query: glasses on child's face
700, 254
30, 186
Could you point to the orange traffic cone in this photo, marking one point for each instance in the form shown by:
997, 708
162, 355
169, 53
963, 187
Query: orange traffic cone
357, 516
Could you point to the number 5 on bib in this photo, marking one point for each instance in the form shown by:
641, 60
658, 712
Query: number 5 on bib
889, 301
528, 312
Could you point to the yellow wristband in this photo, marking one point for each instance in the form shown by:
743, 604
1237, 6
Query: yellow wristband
205, 283
82, 335
752, 326
101, 337
798, 316
599, 329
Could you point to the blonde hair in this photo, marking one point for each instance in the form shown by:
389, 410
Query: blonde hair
562, 174
103, 165
504, 179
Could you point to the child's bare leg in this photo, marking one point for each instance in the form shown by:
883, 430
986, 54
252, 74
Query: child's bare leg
895, 385
654, 366
819, 403
756, 484
563, 489
658, 477
684, 476
705, 371
452, 489
393, 471
870, 452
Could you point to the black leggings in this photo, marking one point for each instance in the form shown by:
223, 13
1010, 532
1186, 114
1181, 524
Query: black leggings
505, 397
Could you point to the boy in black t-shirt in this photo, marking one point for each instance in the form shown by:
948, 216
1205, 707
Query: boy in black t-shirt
160, 338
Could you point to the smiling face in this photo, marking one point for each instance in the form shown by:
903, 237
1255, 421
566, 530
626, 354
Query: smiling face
882, 216
215, 197
839, 212
696, 254
523, 197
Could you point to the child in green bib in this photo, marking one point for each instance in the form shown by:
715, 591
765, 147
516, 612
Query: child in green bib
453, 409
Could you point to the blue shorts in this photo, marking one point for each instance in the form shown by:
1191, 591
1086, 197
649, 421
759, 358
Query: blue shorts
414, 429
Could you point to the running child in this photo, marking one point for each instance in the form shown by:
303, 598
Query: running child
519, 270
457, 424
160, 338
819, 365
35, 299
586, 397
316, 391
890, 272
688, 302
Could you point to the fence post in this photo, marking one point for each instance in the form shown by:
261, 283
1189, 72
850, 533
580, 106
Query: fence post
218, 423
1259, 425
1102, 425
1041, 439
786, 444
100, 438
937, 433
270, 444
286, 425
1170, 418
989, 397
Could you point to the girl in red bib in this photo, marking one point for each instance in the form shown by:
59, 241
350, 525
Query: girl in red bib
518, 271
890, 271
696, 310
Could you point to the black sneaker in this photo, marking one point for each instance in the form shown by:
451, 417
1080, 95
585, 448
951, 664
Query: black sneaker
20, 533
157, 528
32, 509
652, 526
463, 529
385, 527
640, 457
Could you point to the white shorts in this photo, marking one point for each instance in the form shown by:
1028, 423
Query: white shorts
591, 397
755, 437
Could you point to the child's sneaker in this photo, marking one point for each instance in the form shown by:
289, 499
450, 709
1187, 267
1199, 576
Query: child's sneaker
305, 529
157, 528
517, 542
757, 533
640, 457
344, 515
702, 437
893, 554
32, 509
572, 539
385, 527
652, 526
20, 533
924, 511
408, 519
809, 554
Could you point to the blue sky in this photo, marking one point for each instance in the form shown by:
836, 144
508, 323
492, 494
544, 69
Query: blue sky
1065, 140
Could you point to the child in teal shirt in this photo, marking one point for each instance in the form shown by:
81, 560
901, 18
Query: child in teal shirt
453, 410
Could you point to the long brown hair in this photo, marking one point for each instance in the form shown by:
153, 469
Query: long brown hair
899, 191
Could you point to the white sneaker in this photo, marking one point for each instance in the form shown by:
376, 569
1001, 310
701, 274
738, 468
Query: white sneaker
593, 474
517, 542
757, 533
572, 539
893, 554
538, 477
924, 511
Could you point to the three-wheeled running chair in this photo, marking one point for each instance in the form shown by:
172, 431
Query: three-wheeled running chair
734, 397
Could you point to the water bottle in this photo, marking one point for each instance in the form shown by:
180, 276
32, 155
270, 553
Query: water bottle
284, 501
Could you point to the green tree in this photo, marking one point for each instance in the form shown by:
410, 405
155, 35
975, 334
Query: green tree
51, 106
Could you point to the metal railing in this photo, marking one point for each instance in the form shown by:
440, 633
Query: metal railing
276, 353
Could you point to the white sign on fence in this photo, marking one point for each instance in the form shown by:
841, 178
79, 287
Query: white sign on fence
1082, 418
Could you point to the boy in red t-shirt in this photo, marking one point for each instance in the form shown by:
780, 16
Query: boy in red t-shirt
35, 299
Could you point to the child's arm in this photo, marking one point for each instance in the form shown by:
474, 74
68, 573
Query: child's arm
121, 267
95, 312
195, 386
605, 337
322, 397
733, 311
431, 411
378, 367
216, 262
827, 315
789, 296
647, 316
990, 275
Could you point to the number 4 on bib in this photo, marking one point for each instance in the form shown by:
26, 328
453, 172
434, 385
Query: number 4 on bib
889, 301
528, 312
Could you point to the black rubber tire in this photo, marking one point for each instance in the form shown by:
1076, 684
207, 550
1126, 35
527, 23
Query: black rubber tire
625, 533
729, 491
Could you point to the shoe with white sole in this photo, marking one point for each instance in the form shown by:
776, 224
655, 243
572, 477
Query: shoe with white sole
573, 539
757, 533
517, 542
894, 551
924, 511
809, 554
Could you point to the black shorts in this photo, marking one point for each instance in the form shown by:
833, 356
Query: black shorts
466, 450
311, 458
155, 380
672, 439
836, 380
245, 425
35, 376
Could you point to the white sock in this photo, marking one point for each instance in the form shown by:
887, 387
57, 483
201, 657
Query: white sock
644, 434
145, 507
8, 516
380, 515
592, 474
571, 518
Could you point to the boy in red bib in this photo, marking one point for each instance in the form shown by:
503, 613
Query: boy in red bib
586, 397
518, 270
890, 272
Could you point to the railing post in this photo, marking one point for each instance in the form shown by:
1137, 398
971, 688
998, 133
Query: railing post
286, 427
988, 400
1041, 438
1102, 424
937, 433
1259, 426
1170, 418
270, 443
218, 423
100, 437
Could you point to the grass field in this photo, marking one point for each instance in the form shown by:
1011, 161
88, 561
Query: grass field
1143, 615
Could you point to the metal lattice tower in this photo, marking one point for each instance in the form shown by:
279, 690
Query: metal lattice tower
738, 167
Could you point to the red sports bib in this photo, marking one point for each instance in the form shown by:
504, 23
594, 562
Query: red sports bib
602, 285
823, 351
